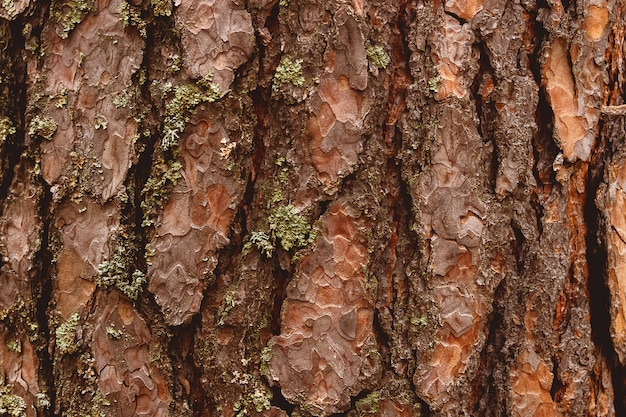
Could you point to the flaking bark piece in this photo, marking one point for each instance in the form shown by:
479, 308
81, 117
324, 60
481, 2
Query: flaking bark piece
20, 234
326, 350
127, 377
86, 232
91, 146
217, 38
339, 106
196, 221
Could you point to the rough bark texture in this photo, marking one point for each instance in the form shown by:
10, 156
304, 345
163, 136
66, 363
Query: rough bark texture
312, 208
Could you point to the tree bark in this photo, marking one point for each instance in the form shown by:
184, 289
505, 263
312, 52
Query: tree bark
310, 208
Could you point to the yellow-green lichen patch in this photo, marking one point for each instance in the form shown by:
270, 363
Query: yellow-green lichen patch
66, 335
179, 108
69, 13
42, 126
156, 191
115, 272
131, 16
288, 72
10, 404
290, 227
377, 56
161, 7
6, 129
262, 241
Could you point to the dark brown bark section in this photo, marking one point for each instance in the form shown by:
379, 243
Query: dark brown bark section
312, 208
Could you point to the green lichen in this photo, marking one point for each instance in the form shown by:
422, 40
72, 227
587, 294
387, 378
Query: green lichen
9, 7
288, 226
10, 404
419, 321
130, 16
266, 355
288, 72
100, 123
42, 126
161, 7
114, 333
433, 84
6, 129
369, 404
66, 335
179, 109
377, 56
14, 345
115, 272
69, 13
284, 3
263, 243
156, 191
227, 305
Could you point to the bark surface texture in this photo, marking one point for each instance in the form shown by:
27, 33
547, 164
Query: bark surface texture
312, 208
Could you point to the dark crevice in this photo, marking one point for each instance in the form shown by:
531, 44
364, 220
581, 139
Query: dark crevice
599, 294
517, 246
43, 287
557, 386
13, 105
478, 85
281, 279
279, 401
488, 394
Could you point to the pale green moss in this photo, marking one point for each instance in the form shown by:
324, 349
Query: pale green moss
14, 345
266, 356
419, 321
69, 13
42, 126
288, 226
100, 123
66, 335
10, 404
9, 7
288, 72
369, 404
227, 305
377, 56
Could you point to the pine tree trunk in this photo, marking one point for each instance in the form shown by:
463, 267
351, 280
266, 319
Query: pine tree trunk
302, 207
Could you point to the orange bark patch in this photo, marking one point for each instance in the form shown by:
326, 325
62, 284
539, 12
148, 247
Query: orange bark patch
217, 37
82, 62
338, 108
595, 22
465, 9
559, 82
121, 349
532, 381
451, 52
